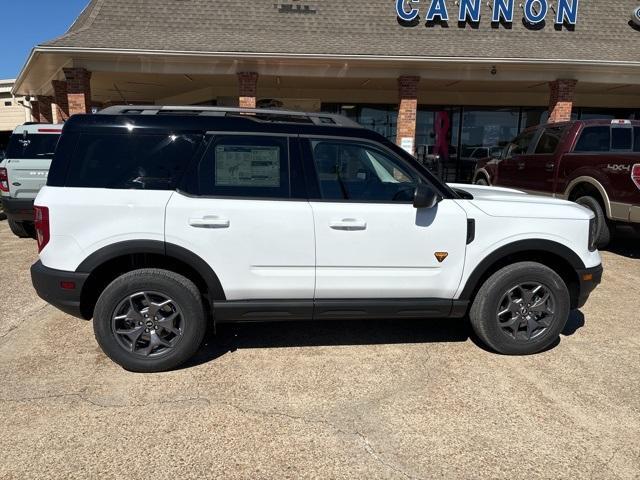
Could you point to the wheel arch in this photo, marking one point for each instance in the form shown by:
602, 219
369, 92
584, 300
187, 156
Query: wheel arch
589, 184
564, 261
104, 265
482, 172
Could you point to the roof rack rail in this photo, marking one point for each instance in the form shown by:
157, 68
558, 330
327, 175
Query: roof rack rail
257, 114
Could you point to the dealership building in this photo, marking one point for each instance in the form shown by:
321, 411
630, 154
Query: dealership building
458, 78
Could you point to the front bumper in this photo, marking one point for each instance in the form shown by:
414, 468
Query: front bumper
589, 279
18, 209
61, 289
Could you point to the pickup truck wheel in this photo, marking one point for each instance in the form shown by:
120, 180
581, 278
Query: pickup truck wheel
602, 225
481, 181
521, 309
150, 320
19, 229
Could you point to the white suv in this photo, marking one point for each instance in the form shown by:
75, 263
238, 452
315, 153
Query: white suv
156, 221
24, 172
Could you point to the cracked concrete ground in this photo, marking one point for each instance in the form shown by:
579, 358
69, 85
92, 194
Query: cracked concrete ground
404, 399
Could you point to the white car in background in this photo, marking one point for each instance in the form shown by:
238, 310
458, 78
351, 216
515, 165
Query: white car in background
24, 172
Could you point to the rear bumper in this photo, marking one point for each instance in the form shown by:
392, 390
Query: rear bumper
18, 209
589, 279
48, 284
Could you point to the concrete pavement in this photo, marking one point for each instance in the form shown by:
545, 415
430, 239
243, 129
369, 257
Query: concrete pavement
397, 399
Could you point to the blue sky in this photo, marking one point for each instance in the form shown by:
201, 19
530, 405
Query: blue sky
29, 22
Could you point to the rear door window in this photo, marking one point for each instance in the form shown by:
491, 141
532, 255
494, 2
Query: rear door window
594, 139
141, 162
549, 140
34, 146
246, 166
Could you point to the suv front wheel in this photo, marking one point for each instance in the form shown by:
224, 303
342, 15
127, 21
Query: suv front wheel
521, 309
150, 320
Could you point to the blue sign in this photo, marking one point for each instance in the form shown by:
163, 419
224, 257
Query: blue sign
502, 11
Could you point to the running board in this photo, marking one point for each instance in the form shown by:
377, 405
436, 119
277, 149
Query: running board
360, 309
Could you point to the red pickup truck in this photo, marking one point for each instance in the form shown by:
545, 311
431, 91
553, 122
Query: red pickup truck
595, 163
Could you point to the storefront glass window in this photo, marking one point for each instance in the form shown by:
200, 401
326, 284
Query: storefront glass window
379, 118
608, 113
484, 131
437, 139
532, 116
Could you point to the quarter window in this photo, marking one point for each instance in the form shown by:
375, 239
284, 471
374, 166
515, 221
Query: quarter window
142, 162
636, 139
353, 171
246, 166
550, 140
594, 139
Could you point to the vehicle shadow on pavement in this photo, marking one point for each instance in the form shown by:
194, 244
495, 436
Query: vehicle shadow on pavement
626, 244
232, 337
575, 322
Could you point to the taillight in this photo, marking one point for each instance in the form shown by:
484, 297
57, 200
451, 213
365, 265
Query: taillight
4, 180
635, 174
42, 226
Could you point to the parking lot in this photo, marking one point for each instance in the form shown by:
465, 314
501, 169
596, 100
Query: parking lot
401, 399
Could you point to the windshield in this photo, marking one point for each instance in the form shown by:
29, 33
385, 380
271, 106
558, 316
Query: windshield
31, 146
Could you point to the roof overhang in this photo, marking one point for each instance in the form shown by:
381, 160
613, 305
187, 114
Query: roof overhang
45, 63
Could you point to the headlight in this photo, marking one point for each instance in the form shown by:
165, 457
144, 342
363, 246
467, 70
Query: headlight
593, 234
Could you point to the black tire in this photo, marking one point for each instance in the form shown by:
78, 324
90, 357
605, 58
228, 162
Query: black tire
186, 305
602, 224
491, 327
481, 181
19, 229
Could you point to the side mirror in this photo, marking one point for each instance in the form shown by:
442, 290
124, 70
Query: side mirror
424, 197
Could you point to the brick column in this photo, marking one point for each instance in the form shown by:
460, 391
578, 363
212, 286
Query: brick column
408, 109
60, 101
78, 90
41, 109
561, 94
35, 110
248, 83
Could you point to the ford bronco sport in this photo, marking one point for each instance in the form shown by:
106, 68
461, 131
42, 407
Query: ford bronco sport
156, 221
24, 172
595, 163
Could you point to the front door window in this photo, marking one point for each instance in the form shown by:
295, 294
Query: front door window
359, 172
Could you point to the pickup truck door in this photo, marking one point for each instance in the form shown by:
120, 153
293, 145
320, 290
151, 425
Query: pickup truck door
541, 166
511, 168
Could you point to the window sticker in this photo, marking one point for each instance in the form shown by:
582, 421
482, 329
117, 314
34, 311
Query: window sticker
247, 166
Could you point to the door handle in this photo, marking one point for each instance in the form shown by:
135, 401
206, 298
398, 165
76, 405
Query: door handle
550, 166
348, 224
521, 165
210, 221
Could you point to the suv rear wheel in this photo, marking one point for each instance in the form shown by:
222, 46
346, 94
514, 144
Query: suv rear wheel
521, 309
150, 320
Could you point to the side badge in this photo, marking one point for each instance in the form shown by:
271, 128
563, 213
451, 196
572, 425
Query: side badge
441, 256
